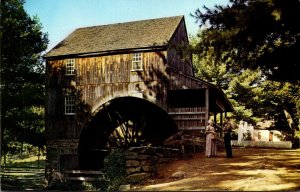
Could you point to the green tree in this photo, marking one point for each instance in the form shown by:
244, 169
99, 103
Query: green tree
255, 34
243, 92
22, 76
206, 67
281, 102
254, 45
233, 83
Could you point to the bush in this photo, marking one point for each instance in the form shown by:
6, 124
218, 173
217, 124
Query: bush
234, 135
115, 169
247, 136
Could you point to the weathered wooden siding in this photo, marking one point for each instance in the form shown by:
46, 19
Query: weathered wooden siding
98, 80
179, 54
189, 118
181, 81
58, 85
102, 78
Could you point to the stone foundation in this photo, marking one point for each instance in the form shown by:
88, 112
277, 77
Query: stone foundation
141, 162
144, 162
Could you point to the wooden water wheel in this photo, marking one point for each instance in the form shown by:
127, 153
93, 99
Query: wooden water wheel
123, 123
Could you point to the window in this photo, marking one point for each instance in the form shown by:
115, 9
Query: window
259, 136
271, 136
70, 105
137, 63
70, 67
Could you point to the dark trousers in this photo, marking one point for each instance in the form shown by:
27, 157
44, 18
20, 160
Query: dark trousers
227, 142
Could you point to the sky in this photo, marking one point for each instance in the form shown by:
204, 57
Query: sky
60, 17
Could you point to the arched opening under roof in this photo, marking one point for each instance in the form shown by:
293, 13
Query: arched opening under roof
122, 123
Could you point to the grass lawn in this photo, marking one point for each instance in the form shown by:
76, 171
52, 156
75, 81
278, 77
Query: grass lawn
23, 174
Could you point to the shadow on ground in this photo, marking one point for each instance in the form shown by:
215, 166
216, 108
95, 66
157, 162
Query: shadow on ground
22, 179
250, 169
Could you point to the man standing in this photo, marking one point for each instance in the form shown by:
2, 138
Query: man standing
227, 127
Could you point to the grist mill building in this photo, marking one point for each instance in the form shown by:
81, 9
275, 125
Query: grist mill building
122, 85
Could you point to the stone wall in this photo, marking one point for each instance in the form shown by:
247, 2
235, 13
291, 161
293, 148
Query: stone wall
144, 162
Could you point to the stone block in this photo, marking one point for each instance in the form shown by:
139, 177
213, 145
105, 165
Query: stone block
137, 177
142, 157
144, 162
178, 175
130, 153
147, 168
132, 163
124, 187
147, 150
133, 170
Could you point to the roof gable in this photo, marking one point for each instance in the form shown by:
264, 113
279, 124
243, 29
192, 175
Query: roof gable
120, 36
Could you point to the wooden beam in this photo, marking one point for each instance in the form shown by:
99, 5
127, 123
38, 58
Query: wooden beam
206, 106
220, 104
172, 137
215, 115
221, 119
221, 123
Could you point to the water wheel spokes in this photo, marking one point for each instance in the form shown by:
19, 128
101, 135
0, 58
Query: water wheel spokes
127, 133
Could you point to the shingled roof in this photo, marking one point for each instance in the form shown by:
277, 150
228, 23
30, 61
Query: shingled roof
120, 36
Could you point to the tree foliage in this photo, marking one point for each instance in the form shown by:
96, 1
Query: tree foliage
249, 48
255, 34
22, 76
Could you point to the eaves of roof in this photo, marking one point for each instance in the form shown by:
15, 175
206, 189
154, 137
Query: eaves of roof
136, 35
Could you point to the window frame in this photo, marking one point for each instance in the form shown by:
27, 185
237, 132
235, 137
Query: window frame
137, 60
70, 67
69, 105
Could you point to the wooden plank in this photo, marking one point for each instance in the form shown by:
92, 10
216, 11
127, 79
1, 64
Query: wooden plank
80, 178
186, 113
87, 172
172, 138
188, 119
202, 128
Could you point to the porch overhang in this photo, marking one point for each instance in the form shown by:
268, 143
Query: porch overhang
218, 102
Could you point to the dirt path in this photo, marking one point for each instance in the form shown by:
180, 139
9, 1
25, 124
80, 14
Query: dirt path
250, 169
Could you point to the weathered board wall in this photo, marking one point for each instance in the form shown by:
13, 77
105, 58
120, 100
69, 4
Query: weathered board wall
99, 79
105, 77
179, 54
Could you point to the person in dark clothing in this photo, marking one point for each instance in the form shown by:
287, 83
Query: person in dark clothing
227, 127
